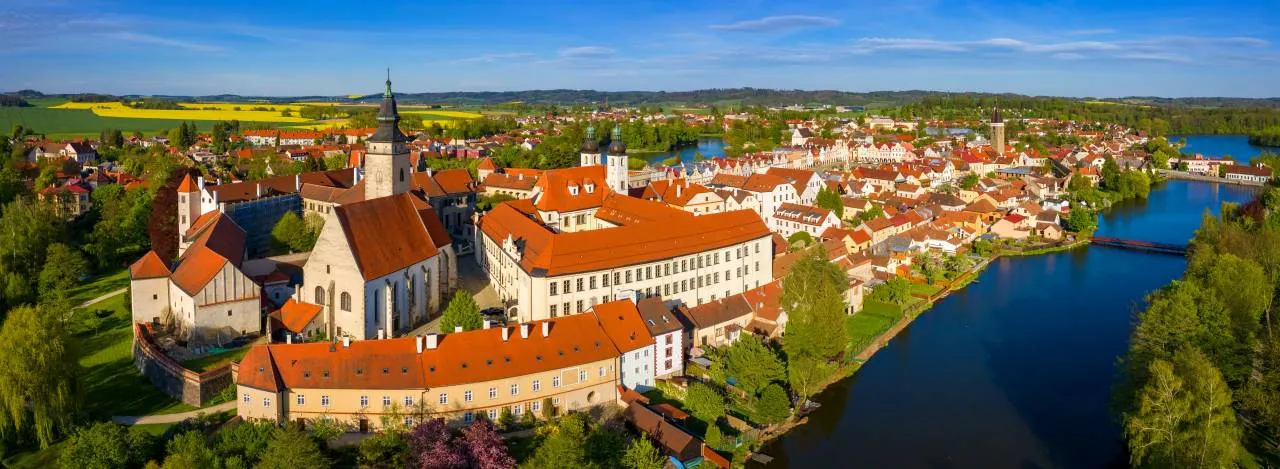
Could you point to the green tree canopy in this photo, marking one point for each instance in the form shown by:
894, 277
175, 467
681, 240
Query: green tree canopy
643, 455
293, 234
189, 450
753, 364
774, 406
813, 297
290, 448
564, 447
39, 373
62, 270
462, 311
896, 290
1184, 416
830, 199
704, 402
105, 445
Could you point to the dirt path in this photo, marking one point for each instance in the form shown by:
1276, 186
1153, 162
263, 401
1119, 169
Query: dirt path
102, 298
172, 418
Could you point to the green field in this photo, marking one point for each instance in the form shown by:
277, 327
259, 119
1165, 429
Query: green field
925, 289
67, 123
874, 319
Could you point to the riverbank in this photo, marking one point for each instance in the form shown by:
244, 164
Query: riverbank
1183, 175
909, 314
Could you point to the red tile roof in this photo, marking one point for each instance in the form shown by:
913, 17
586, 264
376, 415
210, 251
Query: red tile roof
296, 316
367, 225
149, 266
187, 184
622, 323
557, 197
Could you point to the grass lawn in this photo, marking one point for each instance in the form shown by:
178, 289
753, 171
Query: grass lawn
36, 459
116, 386
209, 362
925, 289
874, 319
100, 285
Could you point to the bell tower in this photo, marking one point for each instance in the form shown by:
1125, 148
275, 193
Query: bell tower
386, 164
590, 148
616, 175
997, 132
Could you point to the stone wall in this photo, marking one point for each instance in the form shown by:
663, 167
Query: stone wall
166, 374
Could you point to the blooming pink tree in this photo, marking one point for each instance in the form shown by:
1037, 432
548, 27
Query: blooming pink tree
485, 447
432, 446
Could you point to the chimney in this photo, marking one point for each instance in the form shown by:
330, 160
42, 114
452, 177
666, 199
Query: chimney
288, 338
355, 174
346, 341
546, 328
679, 189
524, 331
486, 323
418, 340
521, 176
506, 333
430, 172
457, 328
433, 341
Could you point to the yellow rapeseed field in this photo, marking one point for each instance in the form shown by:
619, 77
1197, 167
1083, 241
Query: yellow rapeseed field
226, 112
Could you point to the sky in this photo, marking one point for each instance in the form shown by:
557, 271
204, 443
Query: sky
1081, 48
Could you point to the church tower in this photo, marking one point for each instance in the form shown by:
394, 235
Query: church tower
386, 163
997, 132
616, 177
189, 193
590, 148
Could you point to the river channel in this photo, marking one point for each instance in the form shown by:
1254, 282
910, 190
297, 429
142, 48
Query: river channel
1015, 370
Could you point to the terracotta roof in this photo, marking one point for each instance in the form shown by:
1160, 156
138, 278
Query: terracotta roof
459, 358
149, 266
763, 182
729, 180
295, 316
802, 213
657, 317
586, 251
766, 300
367, 224
326, 194
674, 440
1261, 171
624, 210
798, 177
557, 197
487, 164
678, 192
719, 311
981, 206
250, 190
187, 184
622, 323
510, 181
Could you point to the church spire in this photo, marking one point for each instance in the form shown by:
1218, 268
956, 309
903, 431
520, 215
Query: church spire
387, 94
388, 118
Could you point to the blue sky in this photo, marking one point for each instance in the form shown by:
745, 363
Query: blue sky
1102, 48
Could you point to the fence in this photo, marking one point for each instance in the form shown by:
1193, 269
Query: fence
171, 377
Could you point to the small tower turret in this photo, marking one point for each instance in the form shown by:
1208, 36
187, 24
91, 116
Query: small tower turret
617, 170
590, 148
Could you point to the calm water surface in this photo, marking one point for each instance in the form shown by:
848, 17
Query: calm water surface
1221, 145
710, 147
1015, 370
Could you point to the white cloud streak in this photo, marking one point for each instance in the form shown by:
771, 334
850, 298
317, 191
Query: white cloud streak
772, 24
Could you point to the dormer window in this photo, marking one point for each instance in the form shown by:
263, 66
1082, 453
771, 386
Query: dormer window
590, 187
573, 190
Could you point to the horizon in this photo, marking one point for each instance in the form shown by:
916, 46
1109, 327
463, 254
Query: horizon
1090, 48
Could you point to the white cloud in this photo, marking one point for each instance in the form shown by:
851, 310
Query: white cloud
141, 38
586, 52
1183, 49
778, 23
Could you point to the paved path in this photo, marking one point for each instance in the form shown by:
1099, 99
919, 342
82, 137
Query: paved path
172, 418
102, 298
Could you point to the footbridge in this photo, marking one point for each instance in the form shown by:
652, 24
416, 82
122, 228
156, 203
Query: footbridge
1166, 248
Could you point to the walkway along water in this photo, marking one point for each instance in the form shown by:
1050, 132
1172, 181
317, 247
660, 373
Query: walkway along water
1013, 370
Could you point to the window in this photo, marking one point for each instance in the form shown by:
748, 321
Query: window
537, 385
319, 295
592, 283
717, 257
604, 279
757, 266
604, 299
515, 390
517, 409
684, 265
466, 395
579, 284
554, 287
566, 308
324, 401
493, 414
493, 393
582, 375
408, 401
302, 400
444, 398
468, 418
579, 306
667, 364
266, 402
566, 286
401, 174
246, 398
666, 289
628, 276
555, 383
553, 311
345, 302
536, 406
408, 421
667, 269
555, 401
386, 401
602, 372
684, 285
716, 278
648, 273
364, 401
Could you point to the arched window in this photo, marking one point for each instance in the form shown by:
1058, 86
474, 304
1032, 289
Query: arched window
319, 295
346, 301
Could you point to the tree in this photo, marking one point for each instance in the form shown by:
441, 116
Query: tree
800, 240
830, 199
291, 447
431, 446
190, 451
291, 233
1184, 416
62, 270
813, 297
714, 438
773, 407
897, 291
564, 447
38, 375
386, 449
753, 364
704, 402
485, 447
11, 185
643, 455
1081, 220
106, 445
247, 439
462, 311
969, 181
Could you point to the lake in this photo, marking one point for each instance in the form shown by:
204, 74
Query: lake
710, 147
1015, 370
1221, 145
